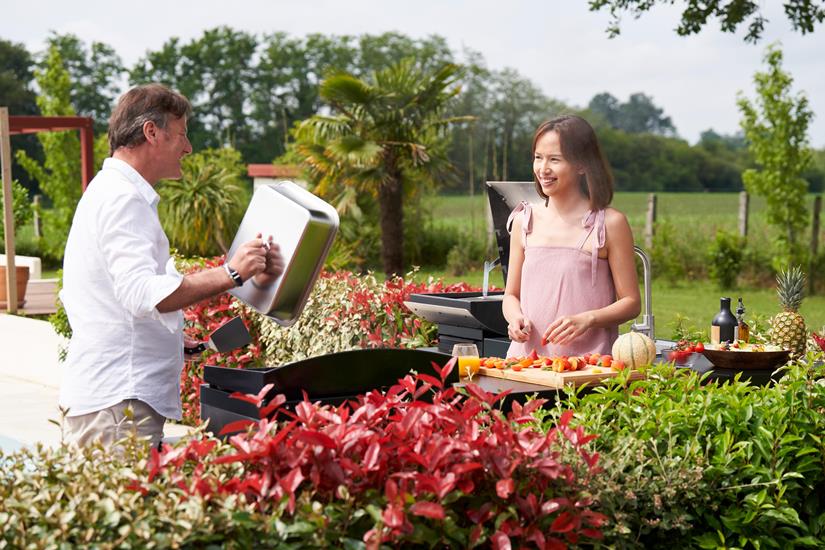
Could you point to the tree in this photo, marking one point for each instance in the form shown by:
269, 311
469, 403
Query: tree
802, 14
15, 78
200, 210
216, 72
776, 127
639, 115
59, 174
386, 134
16, 65
95, 73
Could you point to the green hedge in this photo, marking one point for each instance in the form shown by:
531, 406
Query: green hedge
687, 464
680, 463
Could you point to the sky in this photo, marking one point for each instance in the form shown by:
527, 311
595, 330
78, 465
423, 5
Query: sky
558, 44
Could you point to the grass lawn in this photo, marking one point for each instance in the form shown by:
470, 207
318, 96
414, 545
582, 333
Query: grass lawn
698, 301
711, 211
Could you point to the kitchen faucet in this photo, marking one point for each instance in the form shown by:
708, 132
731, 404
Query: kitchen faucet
646, 326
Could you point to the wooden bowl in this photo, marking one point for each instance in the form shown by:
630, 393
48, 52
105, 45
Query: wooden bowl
747, 360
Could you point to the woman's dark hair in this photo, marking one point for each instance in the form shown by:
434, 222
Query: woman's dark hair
142, 104
580, 147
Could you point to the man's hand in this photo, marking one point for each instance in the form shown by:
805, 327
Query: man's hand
274, 264
250, 258
191, 344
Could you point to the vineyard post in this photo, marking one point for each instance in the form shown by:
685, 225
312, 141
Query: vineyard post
744, 202
814, 242
650, 220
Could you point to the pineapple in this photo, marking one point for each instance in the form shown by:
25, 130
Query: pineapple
788, 328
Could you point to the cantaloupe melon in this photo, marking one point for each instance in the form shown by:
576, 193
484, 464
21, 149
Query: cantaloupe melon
634, 349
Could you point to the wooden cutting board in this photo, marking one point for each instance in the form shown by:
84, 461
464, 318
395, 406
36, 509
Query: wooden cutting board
554, 379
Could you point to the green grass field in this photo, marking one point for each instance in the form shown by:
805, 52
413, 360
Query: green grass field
709, 210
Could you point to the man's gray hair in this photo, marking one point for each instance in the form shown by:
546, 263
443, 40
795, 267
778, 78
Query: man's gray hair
142, 104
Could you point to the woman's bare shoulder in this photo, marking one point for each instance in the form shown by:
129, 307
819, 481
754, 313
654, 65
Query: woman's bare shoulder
614, 219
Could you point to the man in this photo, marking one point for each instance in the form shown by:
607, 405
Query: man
121, 291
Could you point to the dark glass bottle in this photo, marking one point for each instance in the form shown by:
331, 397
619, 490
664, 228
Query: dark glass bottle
722, 326
743, 332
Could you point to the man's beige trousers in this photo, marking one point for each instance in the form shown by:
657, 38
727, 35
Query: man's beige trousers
112, 424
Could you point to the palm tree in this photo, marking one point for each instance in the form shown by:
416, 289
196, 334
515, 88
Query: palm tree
386, 136
200, 210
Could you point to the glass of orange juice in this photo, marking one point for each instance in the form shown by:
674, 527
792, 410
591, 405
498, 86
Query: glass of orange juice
468, 359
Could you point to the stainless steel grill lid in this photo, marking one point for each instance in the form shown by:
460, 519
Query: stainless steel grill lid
304, 227
504, 196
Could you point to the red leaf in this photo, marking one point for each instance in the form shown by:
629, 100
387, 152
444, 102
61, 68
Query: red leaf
500, 541
255, 399
594, 518
478, 393
237, 426
589, 459
592, 533
431, 380
393, 516
249, 398
154, 463
465, 467
448, 368
136, 486
565, 418
390, 490
431, 510
292, 480
564, 523
371, 456
314, 437
553, 505
276, 402
535, 536
505, 487
475, 534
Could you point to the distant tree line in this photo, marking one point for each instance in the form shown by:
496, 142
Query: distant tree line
249, 91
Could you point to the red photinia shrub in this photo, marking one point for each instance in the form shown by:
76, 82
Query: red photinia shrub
384, 319
345, 311
393, 468
201, 320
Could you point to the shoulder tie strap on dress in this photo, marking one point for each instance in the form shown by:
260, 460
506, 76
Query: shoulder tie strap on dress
594, 220
526, 223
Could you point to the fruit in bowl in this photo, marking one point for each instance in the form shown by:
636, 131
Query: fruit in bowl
820, 341
741, 355
681, 353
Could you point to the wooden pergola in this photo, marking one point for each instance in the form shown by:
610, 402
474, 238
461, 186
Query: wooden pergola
11, 125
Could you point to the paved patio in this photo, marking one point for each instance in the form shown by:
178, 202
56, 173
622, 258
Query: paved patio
30, 375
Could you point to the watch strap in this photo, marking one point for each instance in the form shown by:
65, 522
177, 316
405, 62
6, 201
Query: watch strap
234, 275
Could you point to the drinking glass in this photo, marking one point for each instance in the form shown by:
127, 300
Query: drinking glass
468, 359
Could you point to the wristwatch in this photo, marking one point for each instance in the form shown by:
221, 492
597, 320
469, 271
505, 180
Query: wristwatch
234, 275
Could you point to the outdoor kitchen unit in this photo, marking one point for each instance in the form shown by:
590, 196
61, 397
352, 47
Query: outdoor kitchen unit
477, 316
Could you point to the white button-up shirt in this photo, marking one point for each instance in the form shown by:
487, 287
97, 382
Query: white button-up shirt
117, 268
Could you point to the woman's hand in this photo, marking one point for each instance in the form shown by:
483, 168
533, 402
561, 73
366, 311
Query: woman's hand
519, 329
566, 329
